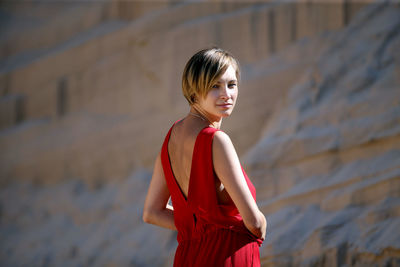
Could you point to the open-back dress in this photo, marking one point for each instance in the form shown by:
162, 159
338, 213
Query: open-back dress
209, 233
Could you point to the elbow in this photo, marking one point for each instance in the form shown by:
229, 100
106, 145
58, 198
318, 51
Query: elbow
146, 216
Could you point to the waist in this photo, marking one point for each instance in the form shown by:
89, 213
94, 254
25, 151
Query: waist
212, 231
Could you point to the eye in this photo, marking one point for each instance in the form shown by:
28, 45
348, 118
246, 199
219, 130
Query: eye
232, 85
215, 86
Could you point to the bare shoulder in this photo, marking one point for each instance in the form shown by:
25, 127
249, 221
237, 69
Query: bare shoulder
221, 140
223, 146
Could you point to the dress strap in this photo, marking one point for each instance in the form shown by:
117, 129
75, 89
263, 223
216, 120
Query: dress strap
203, 198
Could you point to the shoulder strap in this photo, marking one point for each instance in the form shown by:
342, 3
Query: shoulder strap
203, 198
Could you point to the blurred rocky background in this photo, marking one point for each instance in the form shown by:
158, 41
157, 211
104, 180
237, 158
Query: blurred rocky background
88, 90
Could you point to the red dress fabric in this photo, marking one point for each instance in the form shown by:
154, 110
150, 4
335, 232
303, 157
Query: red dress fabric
209, 233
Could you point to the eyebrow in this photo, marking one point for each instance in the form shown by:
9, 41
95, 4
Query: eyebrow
229, 81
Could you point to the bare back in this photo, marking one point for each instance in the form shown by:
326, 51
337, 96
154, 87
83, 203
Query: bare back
180, 149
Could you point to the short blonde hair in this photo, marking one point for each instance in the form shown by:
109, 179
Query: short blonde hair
203, 69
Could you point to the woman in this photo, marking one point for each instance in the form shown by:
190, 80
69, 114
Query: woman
213, 201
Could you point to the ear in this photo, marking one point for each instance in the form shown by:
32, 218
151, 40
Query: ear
193, 98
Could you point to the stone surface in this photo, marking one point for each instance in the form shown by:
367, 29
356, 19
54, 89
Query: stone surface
116, 72
327, 166
316, 126
73, 225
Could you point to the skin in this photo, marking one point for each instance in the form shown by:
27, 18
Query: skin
224, 91
231, 187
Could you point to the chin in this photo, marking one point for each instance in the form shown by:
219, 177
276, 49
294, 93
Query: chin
226, 114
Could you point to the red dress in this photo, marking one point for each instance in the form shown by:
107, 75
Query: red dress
209, 233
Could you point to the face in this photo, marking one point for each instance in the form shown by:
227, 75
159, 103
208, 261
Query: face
221, 99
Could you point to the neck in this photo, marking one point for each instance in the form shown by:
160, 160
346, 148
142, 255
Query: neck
213, 121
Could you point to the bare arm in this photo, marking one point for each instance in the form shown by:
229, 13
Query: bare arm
156, 209
228, 169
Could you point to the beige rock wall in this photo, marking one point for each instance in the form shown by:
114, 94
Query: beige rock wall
83, 114
327, 167
118, 78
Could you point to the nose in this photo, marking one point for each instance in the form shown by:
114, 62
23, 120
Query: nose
224, 93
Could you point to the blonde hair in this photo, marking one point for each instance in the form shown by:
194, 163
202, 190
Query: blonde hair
203, 69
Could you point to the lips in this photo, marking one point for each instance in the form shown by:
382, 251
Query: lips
227, 105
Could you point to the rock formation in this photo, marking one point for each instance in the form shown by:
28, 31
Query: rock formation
94, 76
327, 167
85, 104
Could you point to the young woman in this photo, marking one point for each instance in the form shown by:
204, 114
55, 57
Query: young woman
213, 201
